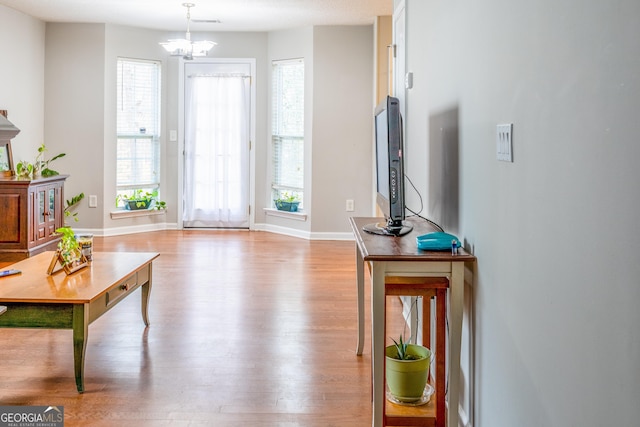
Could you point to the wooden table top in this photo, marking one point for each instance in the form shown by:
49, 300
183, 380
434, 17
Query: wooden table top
83, 286
404, 248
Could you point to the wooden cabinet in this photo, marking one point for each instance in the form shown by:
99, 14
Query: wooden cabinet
30, 213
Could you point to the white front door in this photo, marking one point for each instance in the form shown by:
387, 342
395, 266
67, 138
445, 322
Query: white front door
217, 130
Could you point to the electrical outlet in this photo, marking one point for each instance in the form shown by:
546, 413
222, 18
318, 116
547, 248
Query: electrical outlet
93, 201
504, 142
350, 205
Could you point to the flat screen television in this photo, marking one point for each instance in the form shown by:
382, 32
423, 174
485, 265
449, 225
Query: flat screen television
389, 170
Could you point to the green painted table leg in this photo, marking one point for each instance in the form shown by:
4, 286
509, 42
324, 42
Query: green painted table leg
80, 334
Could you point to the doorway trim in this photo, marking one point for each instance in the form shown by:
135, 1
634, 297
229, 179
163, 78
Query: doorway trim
181, 122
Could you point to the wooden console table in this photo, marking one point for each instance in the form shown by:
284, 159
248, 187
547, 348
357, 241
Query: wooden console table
37, 300
399, 256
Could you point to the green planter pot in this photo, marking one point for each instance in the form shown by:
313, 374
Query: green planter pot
134, 205
407, 379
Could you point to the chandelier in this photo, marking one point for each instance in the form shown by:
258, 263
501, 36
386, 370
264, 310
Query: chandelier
185, 47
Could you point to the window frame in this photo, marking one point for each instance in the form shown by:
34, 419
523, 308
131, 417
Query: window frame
280, 136
145, 138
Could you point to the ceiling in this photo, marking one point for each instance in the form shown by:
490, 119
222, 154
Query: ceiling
235, 15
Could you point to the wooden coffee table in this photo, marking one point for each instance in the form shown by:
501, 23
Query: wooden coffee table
35, 299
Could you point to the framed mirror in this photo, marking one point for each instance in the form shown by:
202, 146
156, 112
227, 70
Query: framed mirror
6, 159
7, 131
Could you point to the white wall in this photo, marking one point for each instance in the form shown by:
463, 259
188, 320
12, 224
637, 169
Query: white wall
556, 287
75, 110
342, 125
22, 80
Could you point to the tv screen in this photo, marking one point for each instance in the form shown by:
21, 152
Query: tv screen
389, 169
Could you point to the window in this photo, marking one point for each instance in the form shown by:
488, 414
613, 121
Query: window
287, 134
138, 126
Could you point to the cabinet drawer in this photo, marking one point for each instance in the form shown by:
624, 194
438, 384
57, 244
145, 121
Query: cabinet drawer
121, 289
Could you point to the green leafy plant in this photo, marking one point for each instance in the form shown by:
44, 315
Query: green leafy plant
24, 170
68, 246
402, 353
71, 204
142, 200
287, 197
40, 166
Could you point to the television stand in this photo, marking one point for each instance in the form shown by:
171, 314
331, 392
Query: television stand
387, 258
390, 228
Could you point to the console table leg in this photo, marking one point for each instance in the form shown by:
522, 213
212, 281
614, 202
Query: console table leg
378, 340
80, 335
455, 323
360, 286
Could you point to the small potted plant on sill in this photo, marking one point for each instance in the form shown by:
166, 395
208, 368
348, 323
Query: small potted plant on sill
407, 370
141, 199
287, 202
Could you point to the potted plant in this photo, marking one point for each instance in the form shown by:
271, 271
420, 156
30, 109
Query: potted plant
40, 166
407, 370
69, 253
287, 202
68, 246
141, 199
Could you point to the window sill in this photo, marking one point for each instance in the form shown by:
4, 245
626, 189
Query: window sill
124, 213
298, 216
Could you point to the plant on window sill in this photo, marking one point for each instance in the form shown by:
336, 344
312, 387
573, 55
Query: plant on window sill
141, 200
287, 202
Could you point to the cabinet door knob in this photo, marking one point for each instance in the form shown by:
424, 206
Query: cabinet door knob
125, 287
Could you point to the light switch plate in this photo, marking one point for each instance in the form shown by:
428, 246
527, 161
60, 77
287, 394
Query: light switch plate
504, 142
350, 205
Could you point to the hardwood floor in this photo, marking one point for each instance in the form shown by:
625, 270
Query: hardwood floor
247, 329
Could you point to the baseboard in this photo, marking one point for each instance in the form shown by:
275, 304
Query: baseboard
302, 234
133, 229
332, 236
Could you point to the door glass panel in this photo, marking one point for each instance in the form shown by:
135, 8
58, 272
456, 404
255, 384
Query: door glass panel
41, 207
52, 204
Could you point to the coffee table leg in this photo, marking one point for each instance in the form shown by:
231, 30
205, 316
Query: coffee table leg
146, 292
80, 334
